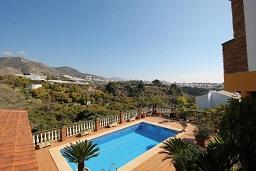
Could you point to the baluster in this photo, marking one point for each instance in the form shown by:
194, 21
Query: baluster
52, 136
37, 138
44, 136
78, 128
49, 135
41, 137
33, 136
73, 130
55, 135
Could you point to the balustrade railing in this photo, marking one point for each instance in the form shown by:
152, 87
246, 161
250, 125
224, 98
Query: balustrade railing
79, 127
51, 135
165, 110
129, 115
108, 120
76, 128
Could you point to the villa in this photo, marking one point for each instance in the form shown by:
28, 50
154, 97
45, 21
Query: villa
215, 98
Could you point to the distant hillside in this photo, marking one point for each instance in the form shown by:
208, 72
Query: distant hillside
19, 65
75, 73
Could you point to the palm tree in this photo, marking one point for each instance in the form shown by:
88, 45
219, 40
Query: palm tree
219, 155
185, 156
182, 154
80, 152
239, 125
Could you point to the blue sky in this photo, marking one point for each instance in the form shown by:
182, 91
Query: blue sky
173, 40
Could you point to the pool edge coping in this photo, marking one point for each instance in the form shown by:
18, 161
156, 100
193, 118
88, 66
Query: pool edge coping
63, 165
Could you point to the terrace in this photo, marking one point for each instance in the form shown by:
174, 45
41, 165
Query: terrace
151, 160
23, 156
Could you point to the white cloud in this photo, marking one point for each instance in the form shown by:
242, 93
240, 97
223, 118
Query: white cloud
8, 53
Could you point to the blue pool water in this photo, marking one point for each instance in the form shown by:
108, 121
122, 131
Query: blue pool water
124, 145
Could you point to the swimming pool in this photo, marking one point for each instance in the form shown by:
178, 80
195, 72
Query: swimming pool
124, 145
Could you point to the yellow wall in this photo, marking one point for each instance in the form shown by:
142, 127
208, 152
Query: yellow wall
241, 81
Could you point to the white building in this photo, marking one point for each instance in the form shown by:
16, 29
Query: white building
214, 98
35, 86
34, 77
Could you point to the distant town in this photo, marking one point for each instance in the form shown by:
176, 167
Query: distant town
67, 79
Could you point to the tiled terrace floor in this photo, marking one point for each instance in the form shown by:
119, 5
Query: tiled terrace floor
16, 148
154, 163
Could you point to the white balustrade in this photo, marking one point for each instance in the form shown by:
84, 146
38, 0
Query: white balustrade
55, 134
52, 135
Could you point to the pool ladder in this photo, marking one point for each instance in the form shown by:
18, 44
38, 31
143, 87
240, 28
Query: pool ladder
112, 165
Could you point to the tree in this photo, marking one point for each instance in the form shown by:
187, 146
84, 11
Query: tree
156, 82
238, 125
111, 88
218, 156
202, 134
236, 143
80, 152
174, 90
154, 102
182, 154
140, 86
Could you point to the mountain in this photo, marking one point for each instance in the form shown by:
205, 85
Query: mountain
75, 73
19, 65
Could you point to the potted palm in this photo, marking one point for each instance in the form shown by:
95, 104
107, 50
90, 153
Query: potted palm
201, 135
143, 115
80, 152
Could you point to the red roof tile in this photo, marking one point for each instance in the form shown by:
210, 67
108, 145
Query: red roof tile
16, 148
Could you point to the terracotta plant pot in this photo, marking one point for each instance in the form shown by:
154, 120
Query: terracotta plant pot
143, 115
138, 116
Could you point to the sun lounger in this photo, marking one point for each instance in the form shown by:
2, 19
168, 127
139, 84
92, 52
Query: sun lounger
44, 144
112, 124
131, 119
